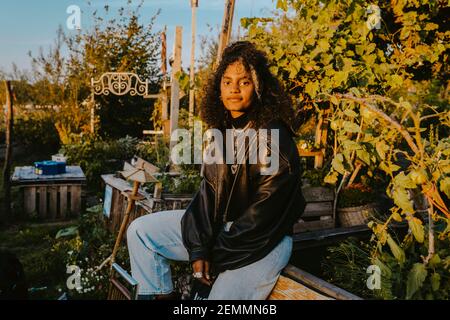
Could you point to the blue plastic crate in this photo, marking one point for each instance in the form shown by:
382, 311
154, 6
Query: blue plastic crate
50, 167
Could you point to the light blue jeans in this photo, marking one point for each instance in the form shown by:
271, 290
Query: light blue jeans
155, 239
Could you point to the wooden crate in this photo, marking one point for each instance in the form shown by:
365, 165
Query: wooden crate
53, 202
121, 190
318, 212
146, 205
51, 197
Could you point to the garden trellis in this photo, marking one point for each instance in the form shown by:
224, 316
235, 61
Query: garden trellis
119, 84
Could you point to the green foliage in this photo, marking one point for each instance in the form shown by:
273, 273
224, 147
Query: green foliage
415, 278
36, 130
356, 195
97, 156
187, 183
387, 88
315, 177
122, 44
155, 152
345, 266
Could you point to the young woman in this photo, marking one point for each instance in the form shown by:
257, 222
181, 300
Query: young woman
237, 230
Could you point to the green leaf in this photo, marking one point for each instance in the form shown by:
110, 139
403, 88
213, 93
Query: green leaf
282, 4
364, 156
398, 252
431, 26
397, 217
339, 77
396, 81
350, 113
331, 178
417, 229
435, 260
382, 148
401, 199
350, 145
337, 163
435, 281
312, 88
323, 44
68, 232
416, 277
404, 181
334, 100
444, 186
350, 127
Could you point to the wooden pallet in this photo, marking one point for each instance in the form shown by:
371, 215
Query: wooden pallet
51, 197
53, 202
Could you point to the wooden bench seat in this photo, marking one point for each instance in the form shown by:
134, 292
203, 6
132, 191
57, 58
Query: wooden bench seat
296, 284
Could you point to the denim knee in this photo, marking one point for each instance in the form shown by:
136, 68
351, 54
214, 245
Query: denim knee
133, 231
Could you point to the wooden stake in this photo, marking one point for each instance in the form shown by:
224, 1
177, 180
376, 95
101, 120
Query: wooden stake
8, 152
92, 112
164, 98
124, 224
194, 5
175, 87
227, 26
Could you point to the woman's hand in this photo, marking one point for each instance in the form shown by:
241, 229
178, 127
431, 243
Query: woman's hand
202, 267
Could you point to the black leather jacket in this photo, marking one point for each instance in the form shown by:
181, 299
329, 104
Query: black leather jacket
263, 209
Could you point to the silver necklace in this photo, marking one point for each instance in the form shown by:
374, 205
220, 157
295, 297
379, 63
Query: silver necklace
234, 166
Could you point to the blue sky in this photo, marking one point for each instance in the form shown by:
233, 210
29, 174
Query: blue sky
30, 24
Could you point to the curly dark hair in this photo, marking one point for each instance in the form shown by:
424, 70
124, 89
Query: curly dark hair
272, 102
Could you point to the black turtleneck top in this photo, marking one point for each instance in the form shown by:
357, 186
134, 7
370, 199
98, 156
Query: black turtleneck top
241, 121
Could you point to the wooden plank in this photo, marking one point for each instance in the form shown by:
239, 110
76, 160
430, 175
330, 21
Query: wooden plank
317, 194
42, 202
53, 194
288, 289
175, 89
227, 25
304, 226
63, 202
27, 176
9, 117
29, 198
75, 201
116, 210
318, 284
318, 209
116, 183
150, 168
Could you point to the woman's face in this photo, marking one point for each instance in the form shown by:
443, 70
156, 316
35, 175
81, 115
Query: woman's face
237, 89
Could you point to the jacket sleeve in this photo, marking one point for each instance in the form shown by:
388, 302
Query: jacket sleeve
197, 223
276, 205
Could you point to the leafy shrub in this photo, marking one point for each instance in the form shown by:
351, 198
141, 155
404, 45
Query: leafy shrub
36, 130
346, 265
97, 157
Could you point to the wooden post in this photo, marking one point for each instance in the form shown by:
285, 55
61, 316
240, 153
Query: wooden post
92, 111
194, 5
8, 152
227, 26
175, 87
164, 99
